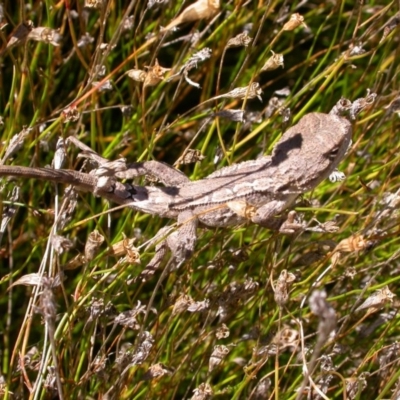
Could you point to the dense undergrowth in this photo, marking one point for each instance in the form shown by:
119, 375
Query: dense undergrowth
135, 80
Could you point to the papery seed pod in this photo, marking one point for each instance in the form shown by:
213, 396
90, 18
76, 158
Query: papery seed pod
155, 74
246, 92
294, 21
70, 114
352, 244
94, 3
132, 253
377, 300
202, 392
9, 210
262, 390
104, 87
85, 40
222, 332
190, 156
60, 155
45, 35
199, 306
243, 39
156, 371
19, 34
286, 338
182, 304
137, 75
355, 385
232, 115
93, 243
201, 9
217, 356
390, 26
356, 49
61, 243
282, 287
274, 62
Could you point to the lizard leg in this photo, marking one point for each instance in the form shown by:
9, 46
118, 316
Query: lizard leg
268, 214
163, 172
181, 242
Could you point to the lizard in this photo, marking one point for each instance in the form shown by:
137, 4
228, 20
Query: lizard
254, 191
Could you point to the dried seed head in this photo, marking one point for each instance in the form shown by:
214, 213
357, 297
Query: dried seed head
50, 383
217, 356
45, 35
37, 280
182, 304
85, 40
151, 3
97, 309
137, 75
144, 348
243, 39
128, 24
377, 300
60, 155
156, 371
354, 386
199, 306
31, 360
274, 62
94, 3
282, 287
70, 114
60, 243
390, 26
352, 244
93, 243
201, 9
193, 61
202, 392
19, 34
190, 157
356, 49
294, 21
246, 92
15, 144
129, 318
286, 338
222, 332
155, 74
132, 252
262, 390
394, 106
232, 115
104, 87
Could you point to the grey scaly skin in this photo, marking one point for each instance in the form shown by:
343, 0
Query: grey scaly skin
252, 191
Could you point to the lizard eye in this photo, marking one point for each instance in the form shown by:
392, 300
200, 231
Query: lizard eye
333, 153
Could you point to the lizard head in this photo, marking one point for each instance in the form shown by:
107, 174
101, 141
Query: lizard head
309, 151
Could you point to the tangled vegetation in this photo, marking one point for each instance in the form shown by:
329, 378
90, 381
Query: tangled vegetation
253, 314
